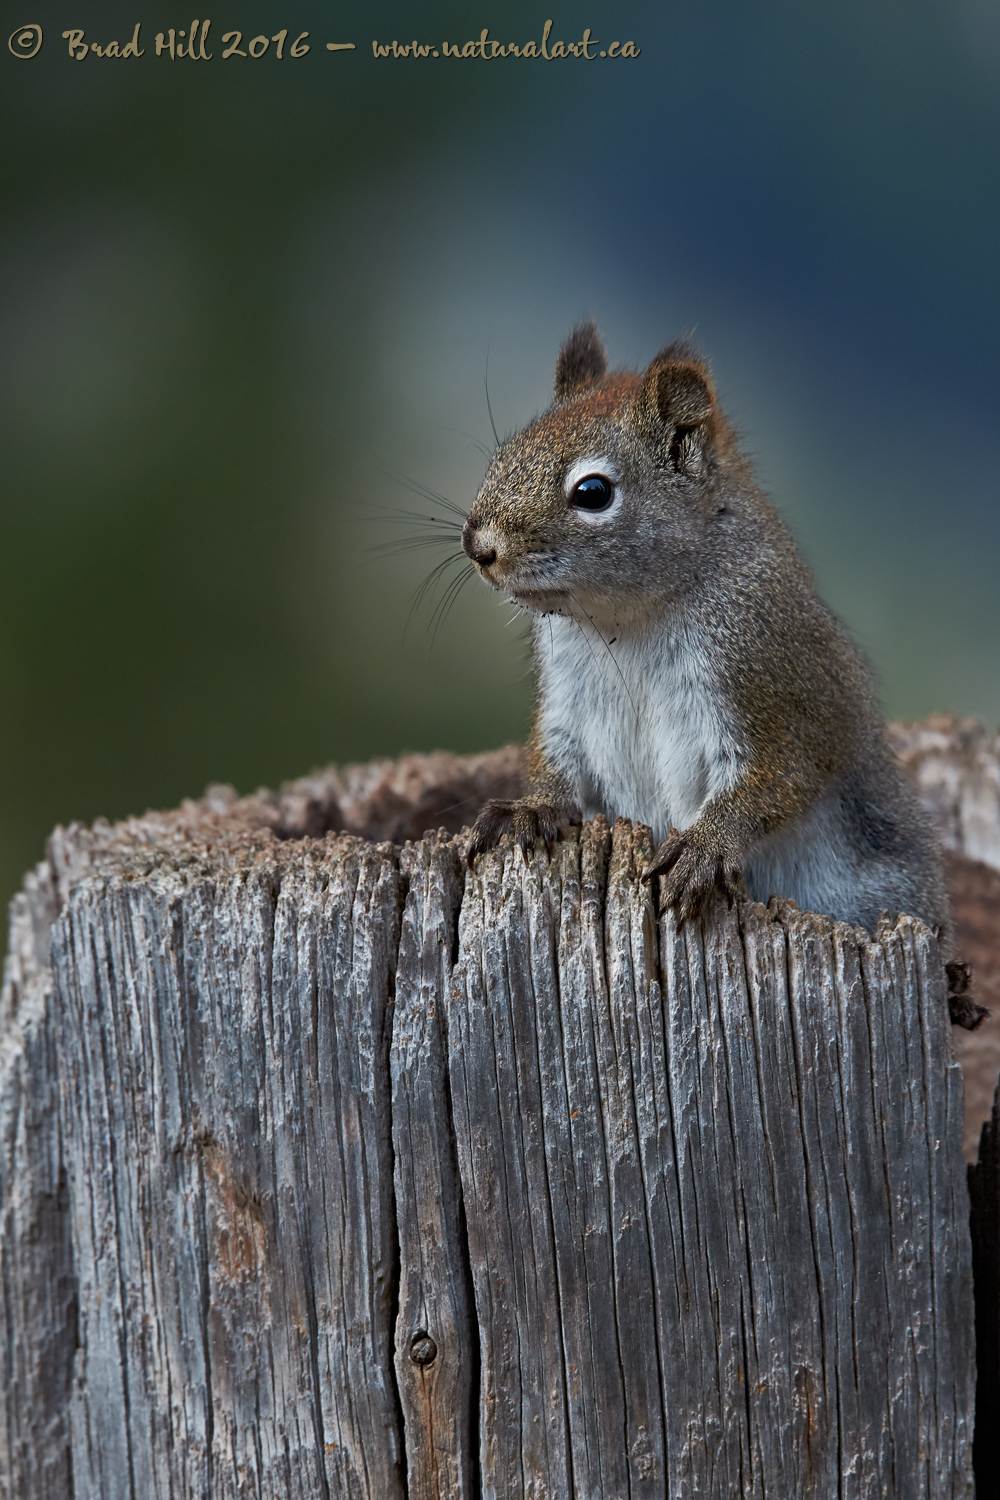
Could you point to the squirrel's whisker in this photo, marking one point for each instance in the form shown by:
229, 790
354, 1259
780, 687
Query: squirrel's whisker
489, 408
401, 545
607, 647
447, 601
414, 517
473, 440
417, 488
428, 584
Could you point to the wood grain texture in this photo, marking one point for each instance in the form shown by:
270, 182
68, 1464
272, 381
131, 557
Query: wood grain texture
226, 1138
38, 1303
984, 1188
436, 1355
730, 1253
328, 1169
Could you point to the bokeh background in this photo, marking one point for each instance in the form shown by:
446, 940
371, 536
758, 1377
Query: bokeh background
235, 294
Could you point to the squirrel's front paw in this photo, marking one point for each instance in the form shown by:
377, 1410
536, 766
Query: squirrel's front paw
528, 819
691, 874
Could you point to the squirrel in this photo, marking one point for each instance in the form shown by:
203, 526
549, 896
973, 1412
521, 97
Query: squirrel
689, 677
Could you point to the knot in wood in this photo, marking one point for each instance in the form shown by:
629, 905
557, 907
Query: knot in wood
423, 1350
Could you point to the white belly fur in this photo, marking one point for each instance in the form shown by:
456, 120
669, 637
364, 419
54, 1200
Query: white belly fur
652, 748
638, 726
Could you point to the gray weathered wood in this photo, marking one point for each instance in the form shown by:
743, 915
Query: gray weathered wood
222, 1040
984, 1186
328, 1169
38, 1304
436, 1357
789, 1256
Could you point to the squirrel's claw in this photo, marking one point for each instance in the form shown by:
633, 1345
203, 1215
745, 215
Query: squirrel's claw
527, 819
490, 827
666, 855
690, 876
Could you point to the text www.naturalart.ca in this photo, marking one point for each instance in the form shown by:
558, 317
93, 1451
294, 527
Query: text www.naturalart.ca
487, 48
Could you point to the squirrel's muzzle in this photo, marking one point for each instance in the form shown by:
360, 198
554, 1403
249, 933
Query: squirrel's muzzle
473, 545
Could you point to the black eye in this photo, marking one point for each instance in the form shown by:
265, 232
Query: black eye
593, 493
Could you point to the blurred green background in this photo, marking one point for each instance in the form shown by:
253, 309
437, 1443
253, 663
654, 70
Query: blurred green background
235, 292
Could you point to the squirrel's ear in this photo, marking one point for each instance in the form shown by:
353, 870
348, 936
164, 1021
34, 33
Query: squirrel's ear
677, 391
581, 362
677, 398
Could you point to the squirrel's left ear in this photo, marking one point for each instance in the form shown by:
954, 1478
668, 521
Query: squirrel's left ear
678, 400
581, 362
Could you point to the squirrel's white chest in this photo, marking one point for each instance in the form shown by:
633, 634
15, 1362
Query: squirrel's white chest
638, 725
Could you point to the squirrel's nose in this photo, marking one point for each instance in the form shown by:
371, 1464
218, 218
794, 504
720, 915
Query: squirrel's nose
484, 556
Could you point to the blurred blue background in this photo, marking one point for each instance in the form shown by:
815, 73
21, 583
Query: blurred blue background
235, 292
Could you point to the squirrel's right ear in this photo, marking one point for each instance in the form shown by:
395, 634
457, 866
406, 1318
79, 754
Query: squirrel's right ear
677, 400
581, 362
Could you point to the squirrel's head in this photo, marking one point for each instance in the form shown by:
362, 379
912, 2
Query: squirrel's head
606, 503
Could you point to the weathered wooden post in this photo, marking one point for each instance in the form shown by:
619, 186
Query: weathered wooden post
327, 1169
984, 1184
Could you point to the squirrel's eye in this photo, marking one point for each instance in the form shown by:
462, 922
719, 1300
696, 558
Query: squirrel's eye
593, 493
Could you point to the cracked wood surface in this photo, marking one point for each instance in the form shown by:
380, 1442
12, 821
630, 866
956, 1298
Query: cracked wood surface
327, 1169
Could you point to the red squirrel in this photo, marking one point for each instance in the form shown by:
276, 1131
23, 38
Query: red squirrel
689, 676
